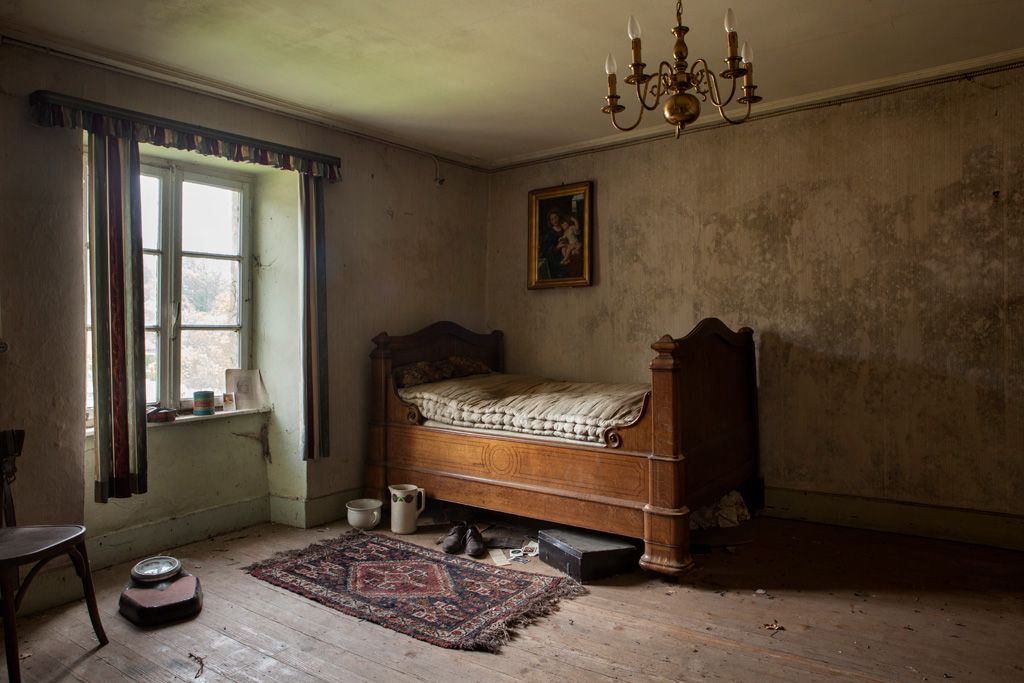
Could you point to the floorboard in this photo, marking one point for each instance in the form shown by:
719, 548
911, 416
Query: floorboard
852, 605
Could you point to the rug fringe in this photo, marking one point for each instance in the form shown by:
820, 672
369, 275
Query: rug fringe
497, 635
298, 552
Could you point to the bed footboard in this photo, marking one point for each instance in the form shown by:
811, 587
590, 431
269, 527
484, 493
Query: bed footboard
705, 441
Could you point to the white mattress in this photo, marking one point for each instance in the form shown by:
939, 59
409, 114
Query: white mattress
577, 411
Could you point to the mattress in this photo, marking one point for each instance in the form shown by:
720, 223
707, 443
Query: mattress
521, 404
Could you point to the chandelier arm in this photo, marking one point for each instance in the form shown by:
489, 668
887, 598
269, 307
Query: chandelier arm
626, 129
721, 111
732, 93
642, 96
706, 76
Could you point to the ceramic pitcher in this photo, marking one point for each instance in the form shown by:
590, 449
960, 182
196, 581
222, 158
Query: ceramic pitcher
407, 502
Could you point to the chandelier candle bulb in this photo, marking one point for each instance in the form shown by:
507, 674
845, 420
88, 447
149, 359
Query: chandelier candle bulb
610, 67
748, 59
730, 36
633, 28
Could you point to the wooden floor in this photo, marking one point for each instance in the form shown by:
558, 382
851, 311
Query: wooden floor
854, 605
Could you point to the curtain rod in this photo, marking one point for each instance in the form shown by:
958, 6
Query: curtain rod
48, 97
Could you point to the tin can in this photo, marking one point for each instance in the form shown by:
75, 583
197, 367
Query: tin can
202, 403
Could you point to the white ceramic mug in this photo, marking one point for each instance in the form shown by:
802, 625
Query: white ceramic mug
364, 513
407, 502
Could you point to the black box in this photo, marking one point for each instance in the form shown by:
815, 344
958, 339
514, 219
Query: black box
587, 556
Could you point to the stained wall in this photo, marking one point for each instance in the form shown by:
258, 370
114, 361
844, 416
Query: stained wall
876, 248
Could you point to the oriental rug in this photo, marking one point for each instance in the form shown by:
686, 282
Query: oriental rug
445, 600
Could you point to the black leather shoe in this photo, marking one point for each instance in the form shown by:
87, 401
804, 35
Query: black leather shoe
475, 546
455, 541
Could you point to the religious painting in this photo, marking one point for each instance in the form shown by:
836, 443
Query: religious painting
559, 241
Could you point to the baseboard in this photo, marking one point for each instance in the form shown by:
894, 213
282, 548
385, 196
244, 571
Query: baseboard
954, 524
309, 512
58, 583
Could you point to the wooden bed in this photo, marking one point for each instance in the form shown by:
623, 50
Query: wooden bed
695, 441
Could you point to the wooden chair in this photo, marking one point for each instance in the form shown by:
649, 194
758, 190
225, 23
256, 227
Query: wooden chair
24, 544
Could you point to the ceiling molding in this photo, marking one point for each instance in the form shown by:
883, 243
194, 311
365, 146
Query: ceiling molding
160, 73
1002, 61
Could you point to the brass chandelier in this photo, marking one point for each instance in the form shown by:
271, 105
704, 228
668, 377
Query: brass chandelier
674, 81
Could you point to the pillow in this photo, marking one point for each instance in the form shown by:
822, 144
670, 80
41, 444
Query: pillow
425, 371
421, 372
462, 366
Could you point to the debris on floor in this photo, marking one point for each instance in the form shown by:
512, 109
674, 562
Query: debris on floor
774, 626
728, 511
199, 660
499, 557
520, 555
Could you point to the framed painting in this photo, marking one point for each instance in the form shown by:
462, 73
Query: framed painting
559, 244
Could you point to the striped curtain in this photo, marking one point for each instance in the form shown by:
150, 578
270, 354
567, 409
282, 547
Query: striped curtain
118, 336
316, 442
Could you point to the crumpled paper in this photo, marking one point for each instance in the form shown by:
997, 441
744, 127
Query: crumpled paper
728, 511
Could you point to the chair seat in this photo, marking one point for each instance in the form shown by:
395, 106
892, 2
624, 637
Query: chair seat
23, 544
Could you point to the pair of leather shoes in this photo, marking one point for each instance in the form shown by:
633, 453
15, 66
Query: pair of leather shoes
464, 537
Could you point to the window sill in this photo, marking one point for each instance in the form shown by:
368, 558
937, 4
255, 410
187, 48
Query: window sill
192, 419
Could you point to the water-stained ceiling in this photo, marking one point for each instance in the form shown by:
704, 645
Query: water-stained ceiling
491, 82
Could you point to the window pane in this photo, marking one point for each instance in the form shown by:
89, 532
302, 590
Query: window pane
151, 287
209, 291
210, 218
205, 355
150, 212
152, 366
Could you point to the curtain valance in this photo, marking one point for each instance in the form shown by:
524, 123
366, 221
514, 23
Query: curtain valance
52, 109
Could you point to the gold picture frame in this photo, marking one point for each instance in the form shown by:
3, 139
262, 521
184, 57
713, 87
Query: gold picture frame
559, 244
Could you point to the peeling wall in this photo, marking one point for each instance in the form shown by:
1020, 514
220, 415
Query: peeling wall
192, 467
42, 300
277, 330
877, 249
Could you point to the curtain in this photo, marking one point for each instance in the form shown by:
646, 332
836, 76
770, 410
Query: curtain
118, 333
53, 109
314, 313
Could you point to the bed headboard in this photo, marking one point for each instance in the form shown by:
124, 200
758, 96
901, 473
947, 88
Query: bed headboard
441, 340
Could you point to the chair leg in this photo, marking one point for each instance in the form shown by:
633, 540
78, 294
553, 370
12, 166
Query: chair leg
8, 591
81, 561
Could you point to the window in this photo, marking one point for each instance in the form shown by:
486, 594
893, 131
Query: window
196, 280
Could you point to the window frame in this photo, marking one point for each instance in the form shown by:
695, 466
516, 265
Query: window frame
172, 176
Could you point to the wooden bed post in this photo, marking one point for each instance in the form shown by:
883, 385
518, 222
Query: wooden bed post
666, 517
375, 478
